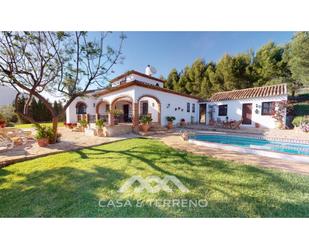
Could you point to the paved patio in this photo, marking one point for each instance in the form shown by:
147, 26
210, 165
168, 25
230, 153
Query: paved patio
69, 141
177, 142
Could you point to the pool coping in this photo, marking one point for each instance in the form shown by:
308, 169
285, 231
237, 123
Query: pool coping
257, 136
271, 154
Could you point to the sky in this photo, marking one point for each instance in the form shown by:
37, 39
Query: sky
168, 50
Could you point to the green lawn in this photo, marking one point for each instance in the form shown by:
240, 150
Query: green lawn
60, 124
71, 184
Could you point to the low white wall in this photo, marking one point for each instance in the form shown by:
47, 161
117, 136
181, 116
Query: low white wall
234, 110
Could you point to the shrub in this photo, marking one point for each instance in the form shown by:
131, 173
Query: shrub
116, 112
301, 109
170, 118
99, 123
2, 119
83, 123
46, 132
145, 119
297, 121
8, 113
43, 132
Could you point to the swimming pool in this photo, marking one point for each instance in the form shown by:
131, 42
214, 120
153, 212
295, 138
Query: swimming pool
252, 143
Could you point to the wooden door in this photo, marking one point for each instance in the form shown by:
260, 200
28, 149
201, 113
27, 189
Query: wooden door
247, 114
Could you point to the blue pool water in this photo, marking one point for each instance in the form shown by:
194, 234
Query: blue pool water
255, 143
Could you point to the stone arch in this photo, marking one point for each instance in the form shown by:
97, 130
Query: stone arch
124, 98
120, 98
156, 99
97, 107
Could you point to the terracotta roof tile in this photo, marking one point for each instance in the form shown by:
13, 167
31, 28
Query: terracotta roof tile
264, 91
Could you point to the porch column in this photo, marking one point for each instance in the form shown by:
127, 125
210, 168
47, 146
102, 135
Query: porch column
135, 118
111, 119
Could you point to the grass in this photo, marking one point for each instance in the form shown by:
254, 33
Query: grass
71, 184
60, 124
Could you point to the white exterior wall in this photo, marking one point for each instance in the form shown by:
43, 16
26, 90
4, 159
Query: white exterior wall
133, 77
234, 110
153, 108
168, 103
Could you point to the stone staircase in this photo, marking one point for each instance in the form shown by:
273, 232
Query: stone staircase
155, 129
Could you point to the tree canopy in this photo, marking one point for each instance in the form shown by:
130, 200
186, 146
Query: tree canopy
271, 64
64, 62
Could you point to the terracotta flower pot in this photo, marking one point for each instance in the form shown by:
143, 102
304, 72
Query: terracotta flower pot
170, 125
100, 132
145, 127
42, 142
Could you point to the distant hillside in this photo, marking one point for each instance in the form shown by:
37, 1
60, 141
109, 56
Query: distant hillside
7, 95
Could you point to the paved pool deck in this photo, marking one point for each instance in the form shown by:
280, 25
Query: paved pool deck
175, 141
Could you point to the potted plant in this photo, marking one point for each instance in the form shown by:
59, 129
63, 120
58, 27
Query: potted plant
83, 123
100, 123
182, 122
170, 120
145, 121
43, 135
116, 113
2, 121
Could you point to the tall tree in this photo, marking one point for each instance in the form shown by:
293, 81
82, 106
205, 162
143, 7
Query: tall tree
172, 79
66, 62
268, 63
195, 75
297, 57
225, 74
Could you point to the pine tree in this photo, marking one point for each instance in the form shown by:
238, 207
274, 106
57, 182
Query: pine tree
172, 79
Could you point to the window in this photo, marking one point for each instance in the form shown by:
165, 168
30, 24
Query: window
222, 110
144, 107
193, 107
268, 108
188, 107
81, 108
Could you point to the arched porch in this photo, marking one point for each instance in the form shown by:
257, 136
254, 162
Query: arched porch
122, 110
102, 110
150, 105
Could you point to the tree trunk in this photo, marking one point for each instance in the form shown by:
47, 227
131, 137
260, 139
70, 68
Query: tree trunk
55, 127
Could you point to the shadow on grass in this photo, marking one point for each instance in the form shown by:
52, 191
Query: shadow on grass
231, 190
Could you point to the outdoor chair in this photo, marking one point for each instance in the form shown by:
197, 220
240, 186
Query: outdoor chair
5, 142
219, 123
18, 136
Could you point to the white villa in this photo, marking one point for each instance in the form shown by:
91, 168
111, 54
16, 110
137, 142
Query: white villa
137, 94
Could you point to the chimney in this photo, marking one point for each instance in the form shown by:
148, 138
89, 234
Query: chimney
148, 70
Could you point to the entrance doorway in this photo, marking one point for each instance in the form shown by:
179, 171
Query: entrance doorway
202, 119
247, 114
126, 113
